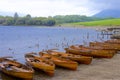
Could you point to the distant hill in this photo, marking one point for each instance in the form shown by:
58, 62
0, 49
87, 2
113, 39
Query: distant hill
108, 13
2, 13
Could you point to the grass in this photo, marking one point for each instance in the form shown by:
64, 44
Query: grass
108, 22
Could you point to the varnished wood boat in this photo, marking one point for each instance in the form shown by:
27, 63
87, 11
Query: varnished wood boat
78, 51
92, 52
40, 63
98, 49
78, 58
66, 63
105, 45
113, 41
16, 69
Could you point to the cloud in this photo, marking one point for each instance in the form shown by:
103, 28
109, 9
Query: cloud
57, 7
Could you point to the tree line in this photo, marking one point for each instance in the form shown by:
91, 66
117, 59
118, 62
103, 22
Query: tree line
73, 18
44, 21
26, 20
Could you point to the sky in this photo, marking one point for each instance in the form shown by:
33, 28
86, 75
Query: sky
58, 7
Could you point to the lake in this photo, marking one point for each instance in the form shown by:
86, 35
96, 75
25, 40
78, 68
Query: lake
17, 40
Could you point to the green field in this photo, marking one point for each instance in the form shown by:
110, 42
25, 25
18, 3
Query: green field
108, 22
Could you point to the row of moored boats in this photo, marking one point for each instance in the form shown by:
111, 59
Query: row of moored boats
49, 59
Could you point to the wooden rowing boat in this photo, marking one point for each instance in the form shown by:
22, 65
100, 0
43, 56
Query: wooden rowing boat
105, 45
78, 58
78, 51
92, 52
40, 63
66, 63
16, 69
94, 48
113, 41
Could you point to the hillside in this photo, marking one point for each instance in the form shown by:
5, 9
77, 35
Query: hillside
108, 13
108, 22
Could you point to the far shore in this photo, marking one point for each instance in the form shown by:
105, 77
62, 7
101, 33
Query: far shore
73, 26
93, 27
69, 25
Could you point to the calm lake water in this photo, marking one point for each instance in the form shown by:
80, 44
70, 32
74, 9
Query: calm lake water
16, 41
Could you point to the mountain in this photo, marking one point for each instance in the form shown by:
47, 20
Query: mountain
2, 13
108, 13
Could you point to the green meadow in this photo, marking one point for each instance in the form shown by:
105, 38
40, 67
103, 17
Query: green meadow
108, 22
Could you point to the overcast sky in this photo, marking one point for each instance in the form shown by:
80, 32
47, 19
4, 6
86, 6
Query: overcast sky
58, 7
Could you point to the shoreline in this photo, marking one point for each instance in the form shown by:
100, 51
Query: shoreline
80, 26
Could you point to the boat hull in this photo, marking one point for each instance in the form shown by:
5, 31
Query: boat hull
92, 53
47, 69
83, 60
106, 45
66, 63
113, 41
92, 48
22, 75
16, 69
42, 64
78, 58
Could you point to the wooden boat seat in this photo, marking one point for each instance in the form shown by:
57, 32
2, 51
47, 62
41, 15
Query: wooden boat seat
19, 69
15, 64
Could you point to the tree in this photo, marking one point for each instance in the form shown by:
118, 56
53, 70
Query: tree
8, 21
15, 17
48, 22
2, 19
28, 19
28, 16
20, 21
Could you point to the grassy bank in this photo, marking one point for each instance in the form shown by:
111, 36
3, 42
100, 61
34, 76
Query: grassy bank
108, 22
